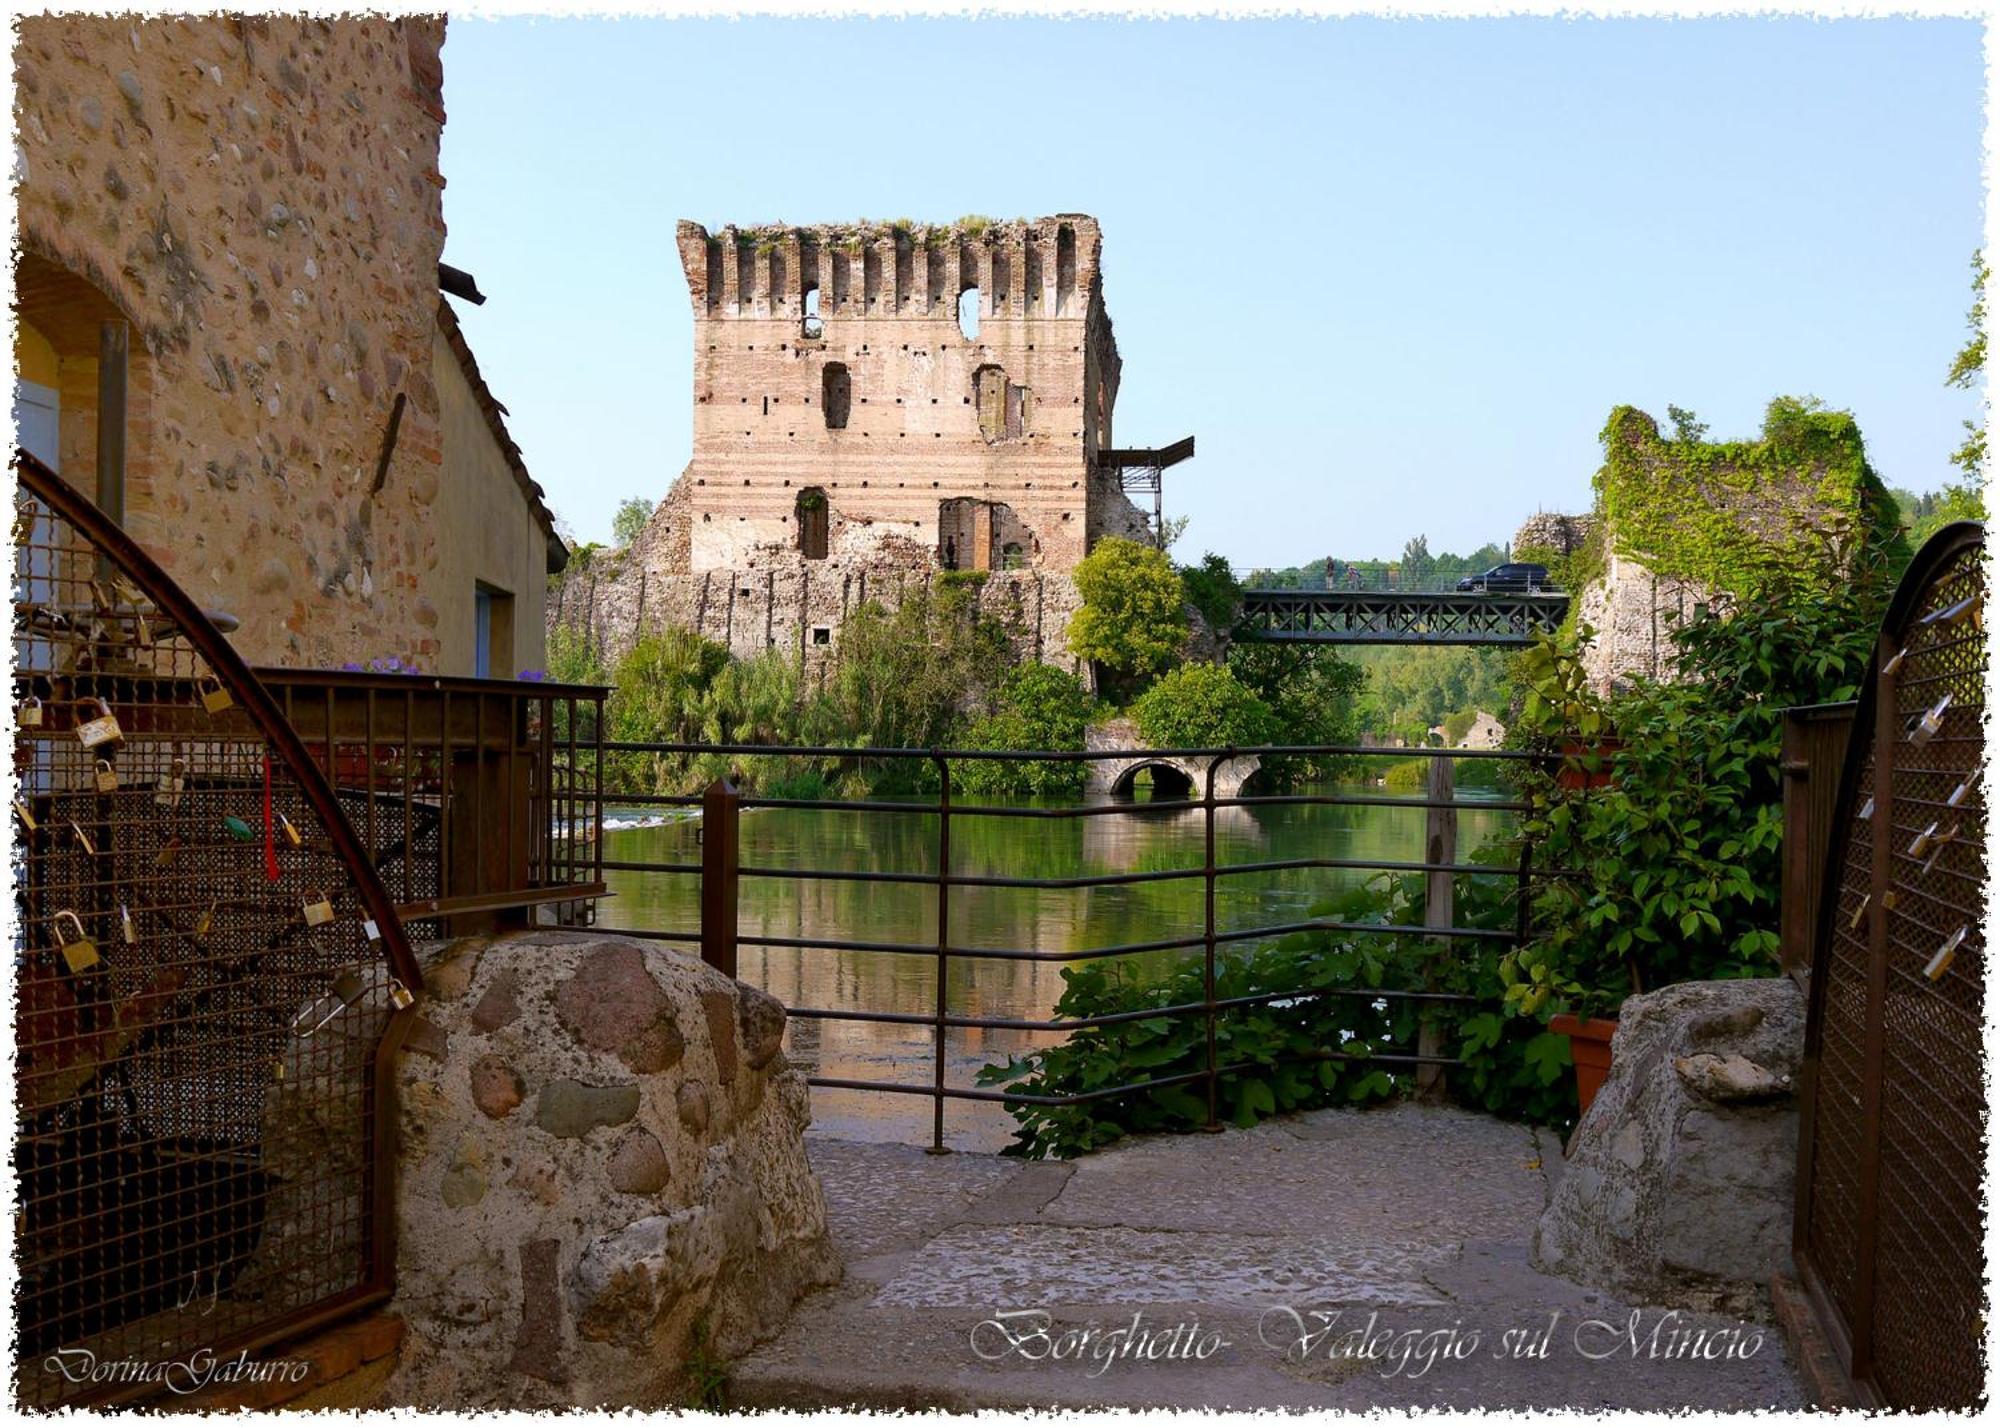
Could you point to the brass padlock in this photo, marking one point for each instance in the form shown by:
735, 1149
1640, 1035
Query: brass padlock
291, 833
214, 697
1860, 911
205, 921
126, 926
1922, 841
80, 953
107, 777
31, 712
168, 851
399, 995
278, 1070
320, 911
167, 792
83, 839
142, 632
1942, 958
96, 732
1895, 662
27, 818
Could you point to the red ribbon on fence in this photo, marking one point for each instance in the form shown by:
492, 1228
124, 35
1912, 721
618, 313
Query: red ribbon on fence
271, 869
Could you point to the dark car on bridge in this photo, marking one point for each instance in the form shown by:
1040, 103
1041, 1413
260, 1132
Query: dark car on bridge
1512, 579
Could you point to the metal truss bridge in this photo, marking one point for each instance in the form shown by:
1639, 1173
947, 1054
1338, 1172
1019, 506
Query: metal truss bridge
1414, 617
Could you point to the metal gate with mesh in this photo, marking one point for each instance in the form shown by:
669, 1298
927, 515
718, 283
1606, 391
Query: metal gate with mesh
1888, 1235
211, 985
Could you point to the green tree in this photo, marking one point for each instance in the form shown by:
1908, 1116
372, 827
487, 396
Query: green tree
1202, 706
1418, 564
630, 519
1038, 707
903, 677
1212, 588
1688, 429
1132, 622
1967, 368
1314, 696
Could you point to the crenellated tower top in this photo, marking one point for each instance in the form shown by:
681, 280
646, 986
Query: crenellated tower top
1025, 268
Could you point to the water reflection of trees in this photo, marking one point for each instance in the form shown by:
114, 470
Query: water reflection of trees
1061, 921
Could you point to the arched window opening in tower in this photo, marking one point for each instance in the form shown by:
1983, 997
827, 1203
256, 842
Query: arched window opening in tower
968, 314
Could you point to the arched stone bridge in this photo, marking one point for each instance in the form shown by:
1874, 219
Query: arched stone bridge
1172, 777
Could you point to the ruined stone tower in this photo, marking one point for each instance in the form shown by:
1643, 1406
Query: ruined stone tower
872, 404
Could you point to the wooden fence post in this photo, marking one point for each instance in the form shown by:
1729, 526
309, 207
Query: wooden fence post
721, 805
1440, 849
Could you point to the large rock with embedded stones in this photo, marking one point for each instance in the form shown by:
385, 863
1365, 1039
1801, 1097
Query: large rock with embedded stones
600, 1151
1679, 1184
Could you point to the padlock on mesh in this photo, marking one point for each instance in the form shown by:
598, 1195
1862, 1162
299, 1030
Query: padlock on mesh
348, 988
214, 697
1929, 722
1942, 958
173, 782
79, 953
96, 732
318, 909
106, 776
31, 712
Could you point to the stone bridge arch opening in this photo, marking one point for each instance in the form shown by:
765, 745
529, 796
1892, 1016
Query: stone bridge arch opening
1162, 782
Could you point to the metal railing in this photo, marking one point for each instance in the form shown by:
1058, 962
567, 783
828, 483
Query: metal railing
212, 987
477, 799
722, 872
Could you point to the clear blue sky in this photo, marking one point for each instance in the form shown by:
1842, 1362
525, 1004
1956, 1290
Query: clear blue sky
1393, 275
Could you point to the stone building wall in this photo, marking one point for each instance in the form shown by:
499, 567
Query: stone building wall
850, 438
1681, 525
259, 197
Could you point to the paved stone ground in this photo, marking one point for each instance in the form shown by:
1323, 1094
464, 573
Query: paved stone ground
1341, 1259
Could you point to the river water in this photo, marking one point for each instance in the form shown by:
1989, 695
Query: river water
995, 917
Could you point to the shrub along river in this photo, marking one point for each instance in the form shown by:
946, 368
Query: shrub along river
987, 917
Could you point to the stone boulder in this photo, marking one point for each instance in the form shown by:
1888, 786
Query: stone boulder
1678, 1189
601, 1158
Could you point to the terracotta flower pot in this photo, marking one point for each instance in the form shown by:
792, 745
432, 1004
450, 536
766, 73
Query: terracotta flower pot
1590, 1050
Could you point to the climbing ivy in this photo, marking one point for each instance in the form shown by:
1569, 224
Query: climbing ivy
1732, 515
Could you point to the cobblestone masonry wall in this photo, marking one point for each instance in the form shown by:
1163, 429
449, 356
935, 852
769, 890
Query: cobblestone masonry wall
831, 360
260, 198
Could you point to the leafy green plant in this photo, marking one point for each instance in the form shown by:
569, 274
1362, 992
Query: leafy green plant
1202, 706
1677, 855
707, 1376
1309, 1039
